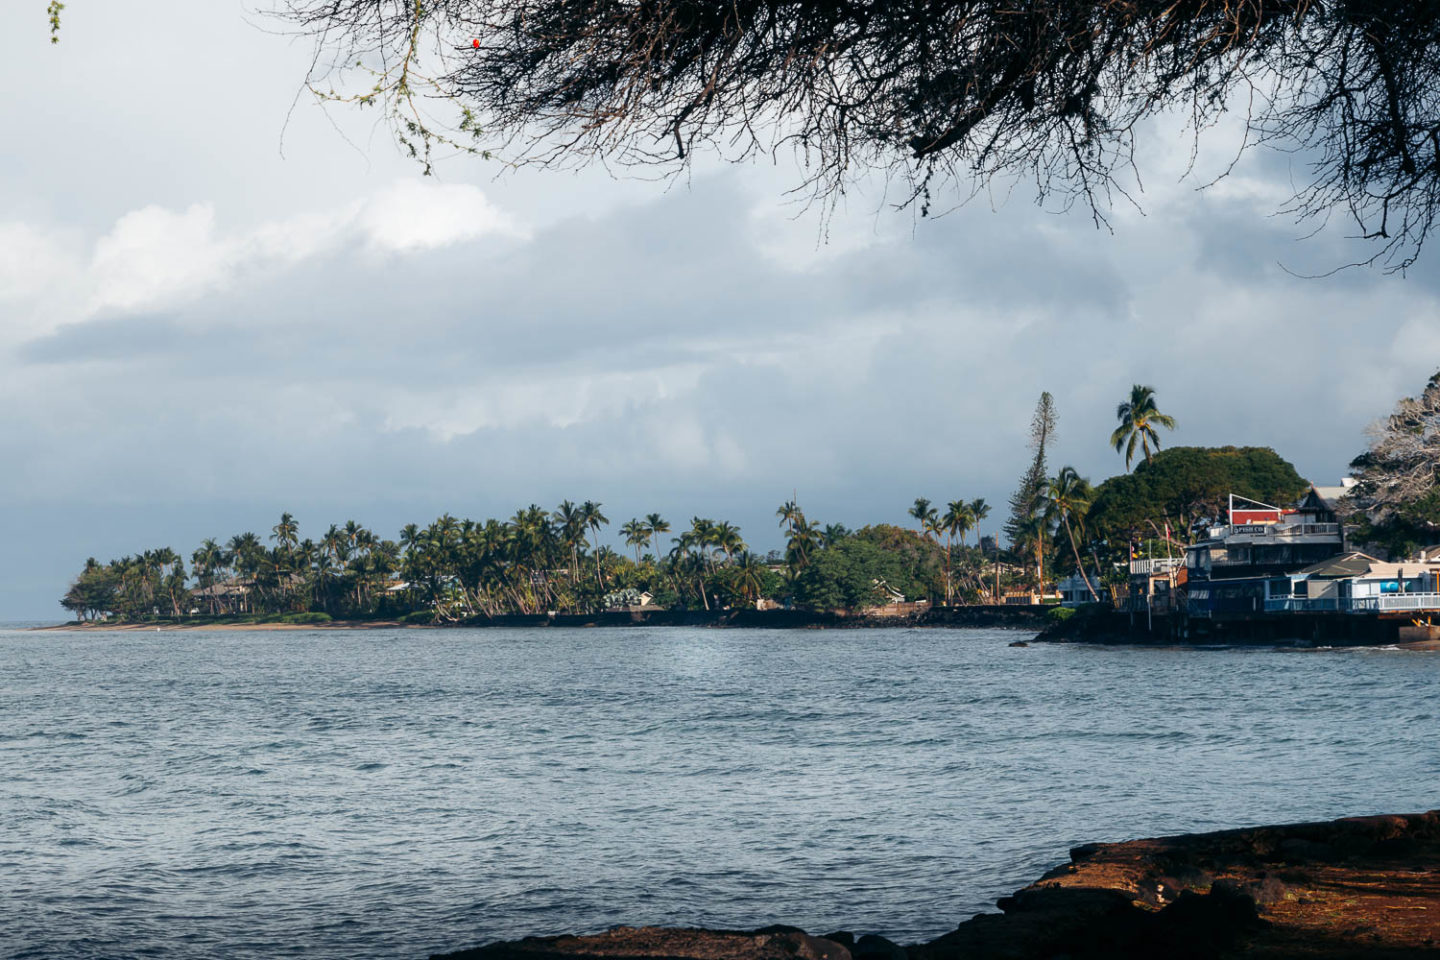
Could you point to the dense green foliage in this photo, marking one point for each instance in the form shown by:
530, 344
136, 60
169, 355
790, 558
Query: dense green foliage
1185, 485
535, 562
853, 573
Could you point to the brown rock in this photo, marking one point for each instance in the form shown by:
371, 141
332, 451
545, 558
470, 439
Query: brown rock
1362, 888
664, 943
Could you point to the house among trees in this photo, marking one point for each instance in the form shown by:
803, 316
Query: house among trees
1074, 589
1269, 560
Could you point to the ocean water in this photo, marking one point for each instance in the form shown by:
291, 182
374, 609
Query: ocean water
391, 794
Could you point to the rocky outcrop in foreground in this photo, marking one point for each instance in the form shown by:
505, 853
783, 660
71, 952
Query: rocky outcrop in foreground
1364, 887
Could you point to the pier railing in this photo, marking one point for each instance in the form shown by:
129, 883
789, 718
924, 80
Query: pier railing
1385, 603
1306, 605
1396, 602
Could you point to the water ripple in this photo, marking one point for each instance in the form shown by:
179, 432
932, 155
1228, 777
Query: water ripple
389, 794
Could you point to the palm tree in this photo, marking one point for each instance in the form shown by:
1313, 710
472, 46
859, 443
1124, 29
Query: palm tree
572, 532
979, 510
803, 540
958, 519
787, 513
209, 560
725, 537
636, 535
1066, 498
749, 569
594, 519
702, 535
286, 532
657, 525
922, 512
1138, 418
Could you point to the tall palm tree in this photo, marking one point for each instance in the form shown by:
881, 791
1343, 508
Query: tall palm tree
636, 535
572, 531
657, 525
1138, 418
286, 532
958, 519
725, 537
749, 571
804, 538
979, 510
923, 513
1066, 498
787, 513
594, 519
702, 535
209, 560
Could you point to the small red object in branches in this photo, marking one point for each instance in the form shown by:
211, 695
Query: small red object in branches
475, 44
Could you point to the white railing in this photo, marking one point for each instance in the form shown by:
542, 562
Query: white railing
1409, 601
1157, 565
1389, 602
1270, 530
1305, 605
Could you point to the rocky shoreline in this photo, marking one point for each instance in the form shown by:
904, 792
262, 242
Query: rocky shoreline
1361, 888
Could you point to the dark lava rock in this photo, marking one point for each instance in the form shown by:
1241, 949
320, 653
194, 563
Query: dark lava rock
872, 947
1364, 888
623, 943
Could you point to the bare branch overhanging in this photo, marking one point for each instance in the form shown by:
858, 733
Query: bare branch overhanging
953, 93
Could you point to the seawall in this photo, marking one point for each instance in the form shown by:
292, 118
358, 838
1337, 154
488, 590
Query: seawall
1312, 629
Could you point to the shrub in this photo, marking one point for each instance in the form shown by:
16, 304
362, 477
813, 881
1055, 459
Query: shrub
312, 616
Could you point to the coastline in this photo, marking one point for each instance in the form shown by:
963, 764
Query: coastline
1364, 888
1084, 631
1029, 619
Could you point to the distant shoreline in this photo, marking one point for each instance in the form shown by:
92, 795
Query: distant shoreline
210, 627
1025, 618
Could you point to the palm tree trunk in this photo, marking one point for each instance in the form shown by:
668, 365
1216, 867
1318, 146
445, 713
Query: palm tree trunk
1080, 564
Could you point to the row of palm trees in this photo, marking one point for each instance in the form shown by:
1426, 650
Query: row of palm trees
540, 559
959, 518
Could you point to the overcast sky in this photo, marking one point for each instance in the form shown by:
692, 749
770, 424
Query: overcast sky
202, 325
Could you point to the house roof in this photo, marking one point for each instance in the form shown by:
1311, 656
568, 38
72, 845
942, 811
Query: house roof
1364, 565
1349, 565
1405, 568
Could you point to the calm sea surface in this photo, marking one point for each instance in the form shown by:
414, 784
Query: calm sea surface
379, 794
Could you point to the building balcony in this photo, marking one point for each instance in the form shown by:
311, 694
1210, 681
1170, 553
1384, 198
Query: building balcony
1156, 565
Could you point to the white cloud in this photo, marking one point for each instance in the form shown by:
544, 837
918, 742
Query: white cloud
160, 259
31, 261
423, 215
154, 257
556, 401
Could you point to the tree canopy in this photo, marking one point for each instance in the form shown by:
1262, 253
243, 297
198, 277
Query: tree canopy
1397, 488
959, 91
1183, 485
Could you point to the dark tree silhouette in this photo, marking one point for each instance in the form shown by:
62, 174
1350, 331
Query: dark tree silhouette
935, 90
